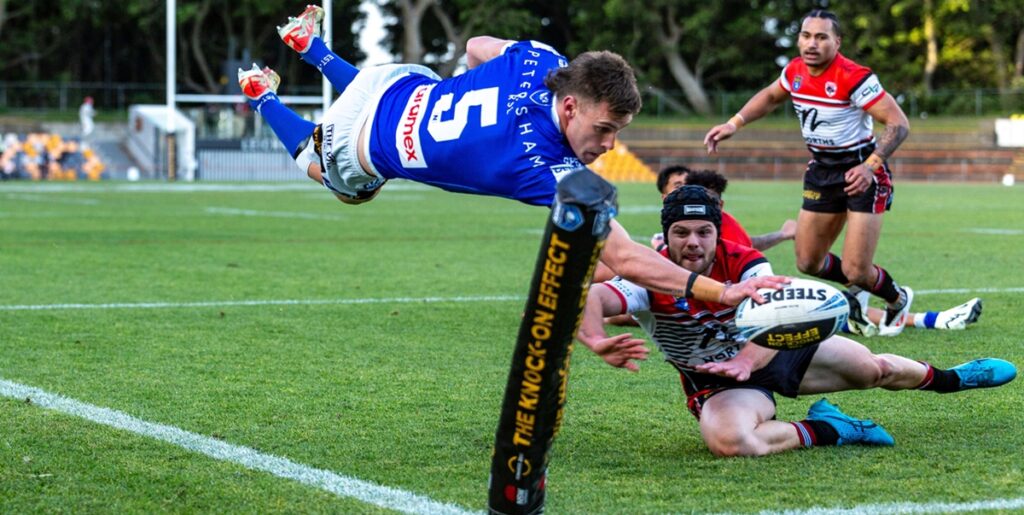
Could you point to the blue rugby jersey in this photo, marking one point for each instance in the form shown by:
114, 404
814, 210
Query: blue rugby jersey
490, 131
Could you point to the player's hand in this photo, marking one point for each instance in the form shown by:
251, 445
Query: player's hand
621, 350
716, 134
737, 368
858, 180
735, 293
788, 229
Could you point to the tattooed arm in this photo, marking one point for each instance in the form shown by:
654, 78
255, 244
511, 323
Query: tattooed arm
887, 112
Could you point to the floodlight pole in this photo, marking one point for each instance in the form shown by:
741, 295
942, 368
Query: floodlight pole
329, 39
171, 89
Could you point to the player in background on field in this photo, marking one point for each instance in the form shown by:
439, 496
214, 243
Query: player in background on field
847, 181
730, 383
955, 318
519, 119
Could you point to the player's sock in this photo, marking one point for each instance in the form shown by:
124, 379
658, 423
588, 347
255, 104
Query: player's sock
289, 127
925, 320
816, 433
338, 71
887, 289
832, 270
939, 380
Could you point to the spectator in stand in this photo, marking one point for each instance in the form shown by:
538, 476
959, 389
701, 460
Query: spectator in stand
86, 112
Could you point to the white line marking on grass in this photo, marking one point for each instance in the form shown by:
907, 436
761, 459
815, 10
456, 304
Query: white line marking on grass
156, 187
270, 214
970, 290
634, 210
344, 486
909, 507
54, 200
268, 302
381, 300
1000, 232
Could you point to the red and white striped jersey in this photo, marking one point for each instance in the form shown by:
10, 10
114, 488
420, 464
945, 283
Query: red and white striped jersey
832, 107
690, 332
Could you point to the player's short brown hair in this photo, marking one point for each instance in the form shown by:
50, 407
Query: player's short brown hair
598, 77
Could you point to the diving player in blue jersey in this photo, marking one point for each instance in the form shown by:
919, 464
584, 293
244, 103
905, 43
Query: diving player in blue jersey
511, 126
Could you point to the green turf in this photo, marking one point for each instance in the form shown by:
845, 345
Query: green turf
407, 394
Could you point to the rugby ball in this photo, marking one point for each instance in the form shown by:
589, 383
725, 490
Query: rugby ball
802, 313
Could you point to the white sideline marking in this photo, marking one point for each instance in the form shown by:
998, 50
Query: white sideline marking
381, 300
1001, 232
372, 493
344, 486
970, 290
271, 214
55, 200
634, 210
153, 187
909, 507
268, 302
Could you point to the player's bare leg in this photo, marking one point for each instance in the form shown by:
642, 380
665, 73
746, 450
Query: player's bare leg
815, 234
740, 422
843, 364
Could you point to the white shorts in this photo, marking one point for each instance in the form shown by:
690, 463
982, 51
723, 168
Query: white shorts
342, 124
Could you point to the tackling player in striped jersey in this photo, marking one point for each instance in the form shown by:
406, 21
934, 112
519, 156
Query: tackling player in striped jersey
730, 384
848, 181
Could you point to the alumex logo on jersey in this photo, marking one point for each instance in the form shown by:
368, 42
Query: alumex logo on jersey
407, 134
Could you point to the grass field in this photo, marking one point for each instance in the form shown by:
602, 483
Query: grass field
372, 344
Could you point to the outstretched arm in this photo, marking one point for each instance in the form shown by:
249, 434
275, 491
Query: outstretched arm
762, 103
642, 265
769, 240
481, 49
620, 351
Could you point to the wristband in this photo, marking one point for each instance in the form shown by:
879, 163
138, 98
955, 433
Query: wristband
737, 121
688, 292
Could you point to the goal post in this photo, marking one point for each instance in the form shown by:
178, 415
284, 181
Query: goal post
261, 166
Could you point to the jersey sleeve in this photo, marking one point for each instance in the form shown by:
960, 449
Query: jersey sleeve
634, 298
867, 92
784, 79
760, 268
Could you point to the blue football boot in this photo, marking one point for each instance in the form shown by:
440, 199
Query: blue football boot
851, 430
984, 373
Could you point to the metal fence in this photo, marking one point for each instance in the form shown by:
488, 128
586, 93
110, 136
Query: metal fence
67, 96
971, 102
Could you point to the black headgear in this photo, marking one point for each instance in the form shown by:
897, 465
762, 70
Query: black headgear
690, 203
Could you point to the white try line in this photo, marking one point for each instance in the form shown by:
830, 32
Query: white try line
268, 302
998, 232
372, 493
365, 491
909, 507
230, 211
380, 300
52, 200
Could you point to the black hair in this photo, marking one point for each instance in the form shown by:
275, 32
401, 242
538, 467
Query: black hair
709, 179
665, 173
828, 15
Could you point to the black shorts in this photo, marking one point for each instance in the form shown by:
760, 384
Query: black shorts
825, 180
782, 375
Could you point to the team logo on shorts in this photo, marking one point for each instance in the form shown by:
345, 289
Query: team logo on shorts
797, 81
830, 89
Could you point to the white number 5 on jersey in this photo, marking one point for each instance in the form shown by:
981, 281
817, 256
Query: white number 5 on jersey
449, 130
